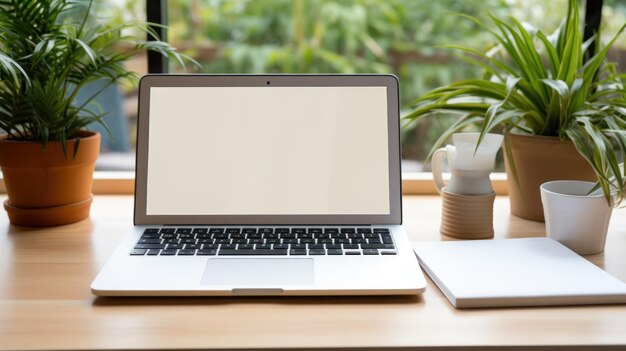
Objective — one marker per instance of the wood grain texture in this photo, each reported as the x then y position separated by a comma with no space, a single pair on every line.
45,301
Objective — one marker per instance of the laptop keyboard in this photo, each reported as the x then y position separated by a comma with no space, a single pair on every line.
247,241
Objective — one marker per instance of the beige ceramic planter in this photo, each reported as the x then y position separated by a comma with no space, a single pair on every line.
539,159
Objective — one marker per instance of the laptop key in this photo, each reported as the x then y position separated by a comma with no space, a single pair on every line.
228,246
333,246
263,247
370,252
387,240
206,252
245,246
358,241
317,252
381,230
200,230
335,251
223,252
364,230
193,247
331,230
151,236
371,236
138,252
149,241
167,230
183,230
316,246
387,252
149,246
350,247
216,230
168,252
348,230
186,252
210,247
151,231
352,252
175,246
297,252
281,246
377,246
307,241
298,246
153,252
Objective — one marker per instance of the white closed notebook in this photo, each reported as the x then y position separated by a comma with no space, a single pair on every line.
516,272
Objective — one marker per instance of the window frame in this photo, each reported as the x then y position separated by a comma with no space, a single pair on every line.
413,183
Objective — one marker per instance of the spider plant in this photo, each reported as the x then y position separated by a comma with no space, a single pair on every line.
49,50
542,85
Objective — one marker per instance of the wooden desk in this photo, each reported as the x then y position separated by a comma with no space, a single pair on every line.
45,301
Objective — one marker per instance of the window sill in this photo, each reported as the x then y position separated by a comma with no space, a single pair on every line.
413,183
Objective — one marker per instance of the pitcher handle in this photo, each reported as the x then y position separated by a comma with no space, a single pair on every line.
437,165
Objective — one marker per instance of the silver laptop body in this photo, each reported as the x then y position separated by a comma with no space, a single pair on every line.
266,185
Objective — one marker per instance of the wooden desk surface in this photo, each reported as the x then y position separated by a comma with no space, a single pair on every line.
45,301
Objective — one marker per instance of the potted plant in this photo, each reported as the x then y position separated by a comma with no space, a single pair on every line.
563,114
49,50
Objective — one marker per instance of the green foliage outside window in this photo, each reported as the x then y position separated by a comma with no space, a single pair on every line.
348,36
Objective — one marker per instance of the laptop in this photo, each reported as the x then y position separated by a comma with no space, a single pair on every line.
266,185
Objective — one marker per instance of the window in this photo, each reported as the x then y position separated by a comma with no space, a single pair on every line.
351,36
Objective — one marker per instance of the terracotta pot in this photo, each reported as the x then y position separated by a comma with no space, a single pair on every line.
45,187
539,159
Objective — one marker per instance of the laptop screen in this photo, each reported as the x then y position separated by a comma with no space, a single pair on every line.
265,150
268,149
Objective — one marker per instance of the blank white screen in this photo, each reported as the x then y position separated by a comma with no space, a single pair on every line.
268,151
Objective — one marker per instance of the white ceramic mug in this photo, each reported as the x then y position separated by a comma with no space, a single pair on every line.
574,217
470,167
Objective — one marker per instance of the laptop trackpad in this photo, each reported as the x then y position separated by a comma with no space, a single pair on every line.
258,271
